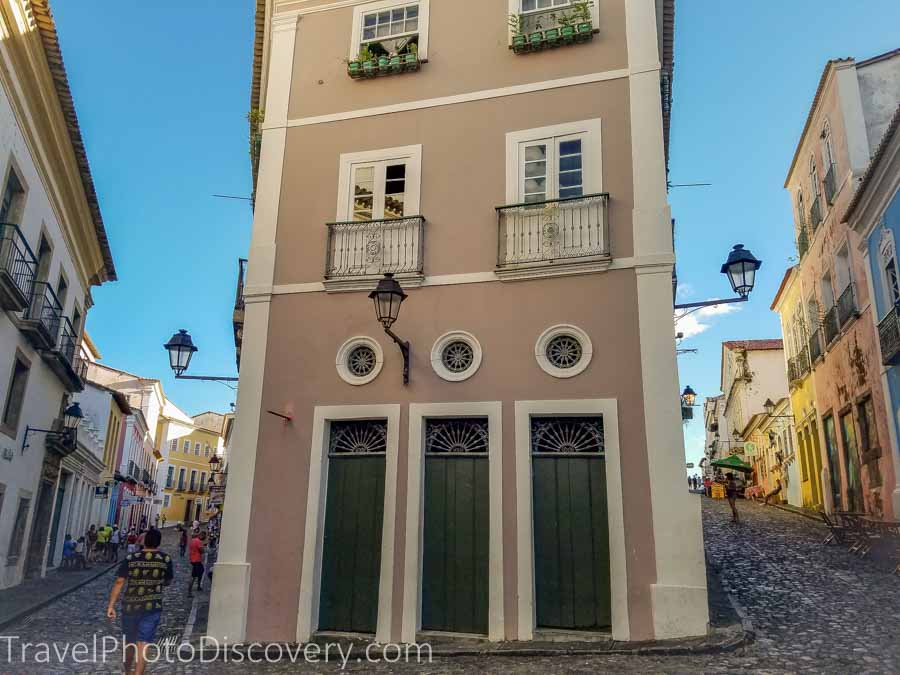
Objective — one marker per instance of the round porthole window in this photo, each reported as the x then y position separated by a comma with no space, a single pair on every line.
563,351
456,356
359,360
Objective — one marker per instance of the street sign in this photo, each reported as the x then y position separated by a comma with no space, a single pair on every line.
690,465
101,492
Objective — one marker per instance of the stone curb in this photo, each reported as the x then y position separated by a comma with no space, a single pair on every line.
730,639
4,623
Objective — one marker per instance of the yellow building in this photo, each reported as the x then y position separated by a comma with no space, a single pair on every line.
800,326
186,471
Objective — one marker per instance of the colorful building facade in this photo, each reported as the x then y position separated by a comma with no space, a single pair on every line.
186,471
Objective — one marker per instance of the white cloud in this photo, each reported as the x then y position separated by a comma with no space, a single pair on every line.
694,322
684,290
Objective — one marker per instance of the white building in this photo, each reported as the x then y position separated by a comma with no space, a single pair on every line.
53,249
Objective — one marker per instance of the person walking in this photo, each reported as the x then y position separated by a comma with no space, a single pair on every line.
91,540
142,575
731,494
114,541
164,520
182,541
196,558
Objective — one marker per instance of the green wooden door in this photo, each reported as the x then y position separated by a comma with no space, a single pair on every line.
571,529
456,528
354,510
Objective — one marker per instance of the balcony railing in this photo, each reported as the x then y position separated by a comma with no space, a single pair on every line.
889,336
830,187
815,214
846,306
832,326
554,232
68,341
64,359
798,366
237,318
18,266
43,315
370,248
802,242
815,346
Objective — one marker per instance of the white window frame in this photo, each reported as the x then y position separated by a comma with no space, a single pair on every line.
360,10
197,448
186,446
192,484
515,9
410,154
540,350
166,501
182,472
340,361
591,152
437,355
887,251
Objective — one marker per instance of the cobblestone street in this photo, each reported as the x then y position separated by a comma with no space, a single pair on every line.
814,609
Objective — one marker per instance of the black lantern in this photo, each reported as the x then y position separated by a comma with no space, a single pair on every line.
688,396
388,297
741,269
769,406
181,348
214,463
73,416
736,435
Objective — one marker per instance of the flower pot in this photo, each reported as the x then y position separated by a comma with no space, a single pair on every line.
519,43
536,39
567,33
411,62
585,31
551,36
354,69
396,63
383,63
369,68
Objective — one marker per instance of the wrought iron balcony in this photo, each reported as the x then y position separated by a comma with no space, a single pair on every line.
360,252
798,366
846,306
237,318
815,346
802,242
65,360
832,326
815,214
18,266
830,186
42,317
889,337
565,235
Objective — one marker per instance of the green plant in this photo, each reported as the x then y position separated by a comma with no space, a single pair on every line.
581,11
515,23
365,54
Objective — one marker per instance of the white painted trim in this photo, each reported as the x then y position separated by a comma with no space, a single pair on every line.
340,361
415,509
311,570
592,154
644,262
411,154
618,572
540,350
360,9
481,95
437,352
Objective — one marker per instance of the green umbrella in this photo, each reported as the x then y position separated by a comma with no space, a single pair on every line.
733,462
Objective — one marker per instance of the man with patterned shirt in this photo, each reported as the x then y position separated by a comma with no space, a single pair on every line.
145,573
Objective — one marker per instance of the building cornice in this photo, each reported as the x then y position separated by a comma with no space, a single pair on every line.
876,175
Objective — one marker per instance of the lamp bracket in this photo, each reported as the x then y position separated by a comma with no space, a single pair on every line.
50,432
711,303
404,350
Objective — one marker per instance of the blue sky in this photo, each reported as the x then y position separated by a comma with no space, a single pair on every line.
162,92
745,75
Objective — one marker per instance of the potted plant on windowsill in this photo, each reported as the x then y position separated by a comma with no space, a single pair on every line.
519,39
581,13
363,65
411,58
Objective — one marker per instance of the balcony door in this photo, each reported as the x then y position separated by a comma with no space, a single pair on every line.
378,190
551,168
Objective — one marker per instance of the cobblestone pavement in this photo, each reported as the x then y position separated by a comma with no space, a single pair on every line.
814,608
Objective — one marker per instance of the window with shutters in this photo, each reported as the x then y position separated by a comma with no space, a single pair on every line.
15,394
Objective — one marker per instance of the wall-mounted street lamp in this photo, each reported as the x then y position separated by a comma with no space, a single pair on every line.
770,410
181,348
688,397
740,268
388,297
69,433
